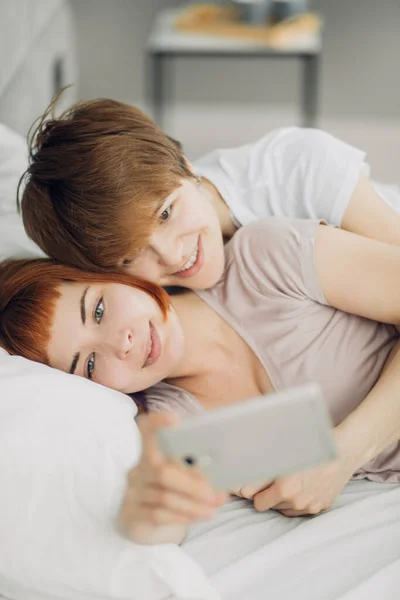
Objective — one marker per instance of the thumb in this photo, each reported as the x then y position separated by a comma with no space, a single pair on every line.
267,499
148,425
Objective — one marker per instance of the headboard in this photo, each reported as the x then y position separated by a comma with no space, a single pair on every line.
37,57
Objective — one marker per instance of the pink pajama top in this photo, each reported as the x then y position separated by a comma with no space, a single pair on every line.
271,296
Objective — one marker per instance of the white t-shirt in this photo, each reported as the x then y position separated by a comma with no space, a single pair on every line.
290,172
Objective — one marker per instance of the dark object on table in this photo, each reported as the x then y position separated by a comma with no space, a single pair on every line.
253,12
286,9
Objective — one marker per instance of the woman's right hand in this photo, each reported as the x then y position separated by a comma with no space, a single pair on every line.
163,497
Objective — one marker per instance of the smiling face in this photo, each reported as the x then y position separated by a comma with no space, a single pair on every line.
186,247
114,334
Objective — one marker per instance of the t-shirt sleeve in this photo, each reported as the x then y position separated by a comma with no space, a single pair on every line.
277,257
164,397
323,171
290,172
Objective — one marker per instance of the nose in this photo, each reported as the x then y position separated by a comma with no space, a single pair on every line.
168,248
123,343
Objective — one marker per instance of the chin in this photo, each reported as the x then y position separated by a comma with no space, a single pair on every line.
209,278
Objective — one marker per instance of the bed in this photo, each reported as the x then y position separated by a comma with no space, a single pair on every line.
351,552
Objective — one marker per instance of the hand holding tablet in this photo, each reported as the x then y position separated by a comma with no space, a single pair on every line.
257,440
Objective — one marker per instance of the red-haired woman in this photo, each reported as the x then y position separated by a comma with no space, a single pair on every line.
298,301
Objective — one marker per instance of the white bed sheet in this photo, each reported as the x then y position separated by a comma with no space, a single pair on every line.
351,552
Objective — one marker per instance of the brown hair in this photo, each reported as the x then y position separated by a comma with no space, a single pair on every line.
29,290
96,176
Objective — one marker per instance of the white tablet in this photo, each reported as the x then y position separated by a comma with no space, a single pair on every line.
256,440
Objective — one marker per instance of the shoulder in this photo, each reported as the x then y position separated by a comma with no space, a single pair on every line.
164,397
271,236
276,257
282,141
270,138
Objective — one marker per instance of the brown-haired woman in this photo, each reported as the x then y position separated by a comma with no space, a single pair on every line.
106,189
298,301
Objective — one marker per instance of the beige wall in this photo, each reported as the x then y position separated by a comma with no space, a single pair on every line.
360,64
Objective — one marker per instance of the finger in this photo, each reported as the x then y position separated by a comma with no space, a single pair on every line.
299,502
293,513
178,503
268,498
158,418
221,498
310,510
249,491
148,425
150,422
182,481
283,506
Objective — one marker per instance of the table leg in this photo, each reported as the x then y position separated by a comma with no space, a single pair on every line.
310,90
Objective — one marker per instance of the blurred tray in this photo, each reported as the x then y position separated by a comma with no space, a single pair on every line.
219,21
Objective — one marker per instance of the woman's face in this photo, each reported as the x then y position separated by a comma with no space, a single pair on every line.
114,334
186,248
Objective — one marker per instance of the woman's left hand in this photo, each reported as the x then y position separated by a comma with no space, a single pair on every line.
308,492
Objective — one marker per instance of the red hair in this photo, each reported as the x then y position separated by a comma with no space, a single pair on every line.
29,290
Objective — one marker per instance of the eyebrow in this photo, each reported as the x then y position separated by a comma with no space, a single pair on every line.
171,198
83,307
159,206
74,363
75,360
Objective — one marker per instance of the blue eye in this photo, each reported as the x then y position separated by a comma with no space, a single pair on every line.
99,311
166,213
90,366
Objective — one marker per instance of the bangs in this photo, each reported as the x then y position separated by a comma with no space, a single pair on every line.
26,322
29,290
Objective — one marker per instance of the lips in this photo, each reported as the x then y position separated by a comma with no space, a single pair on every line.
194,269
153,348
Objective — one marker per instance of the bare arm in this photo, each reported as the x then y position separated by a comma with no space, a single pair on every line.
369,215
359,275
375,423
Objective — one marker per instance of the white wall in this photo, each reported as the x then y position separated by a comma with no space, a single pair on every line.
360,64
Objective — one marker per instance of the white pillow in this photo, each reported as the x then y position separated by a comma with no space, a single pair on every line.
13,162
66,445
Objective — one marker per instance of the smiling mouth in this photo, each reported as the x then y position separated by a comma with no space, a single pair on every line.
153,348
194,264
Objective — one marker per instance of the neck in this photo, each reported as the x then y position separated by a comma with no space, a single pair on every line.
201,330
221,208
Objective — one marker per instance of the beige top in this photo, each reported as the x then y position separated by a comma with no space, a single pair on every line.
270,294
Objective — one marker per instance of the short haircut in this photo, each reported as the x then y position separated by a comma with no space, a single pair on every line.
96,177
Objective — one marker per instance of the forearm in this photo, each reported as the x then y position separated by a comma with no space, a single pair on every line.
367,214
375,424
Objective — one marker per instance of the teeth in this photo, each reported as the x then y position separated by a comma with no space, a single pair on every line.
190,262
151,345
